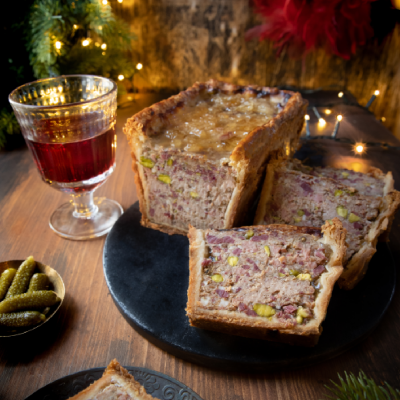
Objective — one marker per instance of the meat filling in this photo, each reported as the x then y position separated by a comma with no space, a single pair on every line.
305,200
364,183
184,188
263,272
112,392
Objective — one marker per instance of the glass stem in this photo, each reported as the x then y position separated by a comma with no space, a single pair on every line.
84,206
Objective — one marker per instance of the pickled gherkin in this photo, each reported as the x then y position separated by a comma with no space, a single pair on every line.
20,319
5,281
38,282
22,277
29,301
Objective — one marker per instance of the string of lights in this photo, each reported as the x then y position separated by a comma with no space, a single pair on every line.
358,147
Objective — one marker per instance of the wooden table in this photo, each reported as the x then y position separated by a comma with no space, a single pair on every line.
89,331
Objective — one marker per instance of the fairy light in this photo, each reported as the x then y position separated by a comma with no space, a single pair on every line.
383,119
121,77
340,94
139,66
359,148
321,122
103,46
100,28
336,127
103,53
373,97
105,2
307,118
328,112
58,45
120,1
97,44
75,26
85,42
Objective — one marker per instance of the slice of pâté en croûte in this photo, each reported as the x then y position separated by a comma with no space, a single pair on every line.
270,282
116,383
372,182
199,157
293,197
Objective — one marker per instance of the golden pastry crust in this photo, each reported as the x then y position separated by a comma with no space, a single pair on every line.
237,323
277,138
114,374
356,268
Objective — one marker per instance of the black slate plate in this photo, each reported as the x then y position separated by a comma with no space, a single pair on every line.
160,386
147,274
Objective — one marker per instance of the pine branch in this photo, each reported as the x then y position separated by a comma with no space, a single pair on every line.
8,125
53,21
353,388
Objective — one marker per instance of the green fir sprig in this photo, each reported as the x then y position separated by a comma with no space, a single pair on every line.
8,125
68,23
353,388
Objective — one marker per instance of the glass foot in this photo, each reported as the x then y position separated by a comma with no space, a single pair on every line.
64,223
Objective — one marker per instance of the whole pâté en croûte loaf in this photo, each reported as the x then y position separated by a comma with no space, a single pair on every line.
270,282
199,156
115,384
292,197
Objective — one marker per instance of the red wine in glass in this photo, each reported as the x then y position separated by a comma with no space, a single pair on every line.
78,166
68,123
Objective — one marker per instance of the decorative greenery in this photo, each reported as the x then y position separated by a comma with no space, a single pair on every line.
81,36
8,125
353,388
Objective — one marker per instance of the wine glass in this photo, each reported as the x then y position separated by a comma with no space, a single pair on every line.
68,123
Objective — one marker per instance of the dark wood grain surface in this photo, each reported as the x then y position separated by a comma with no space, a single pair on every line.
88,331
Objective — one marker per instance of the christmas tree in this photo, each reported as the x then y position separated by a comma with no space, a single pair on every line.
65,37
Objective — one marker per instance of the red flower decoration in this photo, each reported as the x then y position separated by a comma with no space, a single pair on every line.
339,26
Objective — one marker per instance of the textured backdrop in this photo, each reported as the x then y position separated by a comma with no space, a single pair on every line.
183,41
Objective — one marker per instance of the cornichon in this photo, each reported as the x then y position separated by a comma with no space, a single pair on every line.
267,250
29,301
38,282
20,319
5,281
22,277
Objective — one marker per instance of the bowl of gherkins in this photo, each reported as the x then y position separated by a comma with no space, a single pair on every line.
30,294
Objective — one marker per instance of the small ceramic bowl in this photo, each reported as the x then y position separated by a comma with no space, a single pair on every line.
57,286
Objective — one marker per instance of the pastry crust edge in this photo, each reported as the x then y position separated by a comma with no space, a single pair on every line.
114,371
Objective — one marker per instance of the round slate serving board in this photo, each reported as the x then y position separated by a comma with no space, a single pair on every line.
147,274
160,386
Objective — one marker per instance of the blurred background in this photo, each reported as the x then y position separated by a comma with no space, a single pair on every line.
164,46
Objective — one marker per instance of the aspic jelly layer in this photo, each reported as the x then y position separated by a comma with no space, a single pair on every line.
218,122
